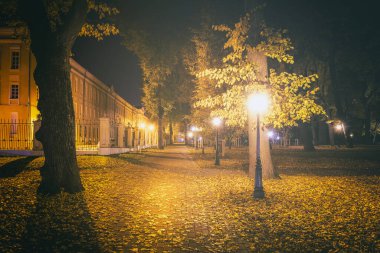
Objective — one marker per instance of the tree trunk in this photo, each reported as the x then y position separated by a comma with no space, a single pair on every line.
331,135
265,155
171,132
367,127
57,132
160,127
51,48
307,137
315,131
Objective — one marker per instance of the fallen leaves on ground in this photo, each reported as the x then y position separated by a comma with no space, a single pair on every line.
135,208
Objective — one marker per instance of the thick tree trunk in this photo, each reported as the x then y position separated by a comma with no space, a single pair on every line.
160,127
265,155
331,134
171,141
367,127
51,48
315,131
268,169
60,170
307,137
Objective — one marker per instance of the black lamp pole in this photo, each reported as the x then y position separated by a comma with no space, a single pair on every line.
258,192
217,159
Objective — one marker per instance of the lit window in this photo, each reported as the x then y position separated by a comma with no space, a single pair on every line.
14,91
15,59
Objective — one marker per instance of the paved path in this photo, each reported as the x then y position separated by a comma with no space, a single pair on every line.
181,203
172,158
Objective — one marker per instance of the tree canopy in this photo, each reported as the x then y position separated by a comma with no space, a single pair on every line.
293,96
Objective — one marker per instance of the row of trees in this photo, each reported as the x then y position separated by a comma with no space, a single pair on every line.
191,72
321,83
340,43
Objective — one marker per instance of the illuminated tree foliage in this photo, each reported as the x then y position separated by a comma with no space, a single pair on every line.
201,55
293,96
52,27
243,71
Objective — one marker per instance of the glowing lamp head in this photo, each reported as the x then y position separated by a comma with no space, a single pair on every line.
339,127
142,125
258,102
216,121
351,135
190,134
270,134
151,127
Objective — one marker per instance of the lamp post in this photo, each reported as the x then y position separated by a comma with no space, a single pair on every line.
258,104
217,122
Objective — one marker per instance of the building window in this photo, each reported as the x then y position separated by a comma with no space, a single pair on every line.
15,59
14,93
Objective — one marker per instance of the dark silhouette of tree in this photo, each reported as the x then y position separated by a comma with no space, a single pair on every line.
52,28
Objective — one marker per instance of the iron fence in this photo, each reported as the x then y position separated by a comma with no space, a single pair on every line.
87,135
16,135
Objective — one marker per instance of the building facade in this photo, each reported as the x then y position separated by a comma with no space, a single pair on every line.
93,100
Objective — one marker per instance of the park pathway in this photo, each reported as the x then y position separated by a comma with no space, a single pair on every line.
174,205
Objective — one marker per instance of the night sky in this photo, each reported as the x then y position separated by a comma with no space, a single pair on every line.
112,63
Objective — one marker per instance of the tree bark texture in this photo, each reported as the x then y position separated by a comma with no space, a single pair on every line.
160,127
307,137
171,140
266,158
57,132
51,48
367,127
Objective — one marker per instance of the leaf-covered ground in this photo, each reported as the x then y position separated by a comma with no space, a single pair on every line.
164,201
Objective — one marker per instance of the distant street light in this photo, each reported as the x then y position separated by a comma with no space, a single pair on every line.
217,122
195,130
339,127
258,103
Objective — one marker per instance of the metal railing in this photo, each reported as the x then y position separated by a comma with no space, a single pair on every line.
87,135
16,135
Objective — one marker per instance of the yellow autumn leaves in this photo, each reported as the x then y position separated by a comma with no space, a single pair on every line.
135,208
293,96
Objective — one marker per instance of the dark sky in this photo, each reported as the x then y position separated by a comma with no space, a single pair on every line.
112,63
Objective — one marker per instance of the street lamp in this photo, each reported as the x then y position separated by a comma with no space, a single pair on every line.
217,122
258,103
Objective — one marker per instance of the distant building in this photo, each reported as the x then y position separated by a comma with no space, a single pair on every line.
92,100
